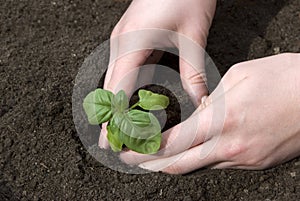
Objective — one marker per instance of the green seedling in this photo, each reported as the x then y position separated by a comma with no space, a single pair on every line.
138,130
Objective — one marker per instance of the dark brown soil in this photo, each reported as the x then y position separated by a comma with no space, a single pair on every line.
44,43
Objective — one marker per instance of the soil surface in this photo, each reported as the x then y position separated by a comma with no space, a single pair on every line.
44,43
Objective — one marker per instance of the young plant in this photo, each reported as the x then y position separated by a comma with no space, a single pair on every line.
138,130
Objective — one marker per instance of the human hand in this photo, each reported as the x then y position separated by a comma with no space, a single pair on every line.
260,128
189,18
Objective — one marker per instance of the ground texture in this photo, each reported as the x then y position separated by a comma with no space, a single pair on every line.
42,46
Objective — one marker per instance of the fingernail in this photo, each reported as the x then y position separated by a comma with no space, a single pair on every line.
145,167
102,145
203,99
154,167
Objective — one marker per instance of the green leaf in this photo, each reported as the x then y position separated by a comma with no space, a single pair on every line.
143,146
152,101
140,131
120,102
97,106
113,137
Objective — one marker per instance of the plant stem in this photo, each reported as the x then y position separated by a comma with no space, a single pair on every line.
136,104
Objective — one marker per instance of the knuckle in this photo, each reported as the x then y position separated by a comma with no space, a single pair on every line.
260,163
197,78
126,28
193,76
234,150
234,70
114,33
238,71
264,164
231,120
197,34
121,29
257,163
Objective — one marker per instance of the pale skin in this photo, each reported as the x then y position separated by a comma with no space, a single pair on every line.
258,100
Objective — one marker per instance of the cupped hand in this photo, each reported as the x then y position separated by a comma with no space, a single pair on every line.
138,31
260,103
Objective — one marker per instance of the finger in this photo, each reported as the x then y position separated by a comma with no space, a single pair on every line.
193,81
192,66
114,49
221,151
103,142
120,45
153,58
122,71
187,161
122,75
125,71
129,50
195,130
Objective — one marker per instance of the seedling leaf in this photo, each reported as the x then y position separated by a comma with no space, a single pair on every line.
97,106
152,101
113,137
141,131
120,102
